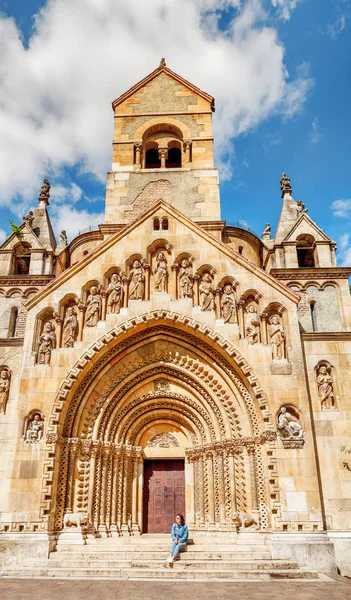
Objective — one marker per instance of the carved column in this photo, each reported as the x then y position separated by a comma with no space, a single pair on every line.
187,149
102,511
81,308
125,291
232,483
254,499
241,305
218,303
140,492
94,451
116,472
147,270
127,472
73,448
163,155
264,334
221,485
104,305
196,291
136,459
97,489
138,148
210,489
174,291
59,323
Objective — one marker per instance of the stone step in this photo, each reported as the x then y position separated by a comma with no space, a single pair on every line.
115,546
178,565
158,554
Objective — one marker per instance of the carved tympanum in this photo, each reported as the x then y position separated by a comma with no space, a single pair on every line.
325,388
228,304
161,385
185,278
252,323
70,328
47,342
34,432
163,440
115,294
4,389
94,303
206,292
289,429
161,273
137,281
277,337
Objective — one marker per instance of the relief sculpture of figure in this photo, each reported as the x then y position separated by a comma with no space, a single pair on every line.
137,281
4,389
252,324
288,427
93,311
160,273
277,337
45,189
186,281
115,294
34,432
47,342
228,304
70,328
325,388
206,292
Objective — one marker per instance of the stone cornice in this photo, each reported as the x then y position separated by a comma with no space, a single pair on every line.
319,336
172,212
11,342
316,273
25,280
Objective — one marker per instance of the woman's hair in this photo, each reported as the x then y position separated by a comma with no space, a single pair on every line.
181,518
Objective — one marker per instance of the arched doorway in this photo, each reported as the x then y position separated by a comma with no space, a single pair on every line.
155,389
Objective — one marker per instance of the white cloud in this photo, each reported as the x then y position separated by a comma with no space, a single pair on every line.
73,220
296,92
61,193
3,236
55,97
285,8
315,133
341,208
344,254
344,241
334,29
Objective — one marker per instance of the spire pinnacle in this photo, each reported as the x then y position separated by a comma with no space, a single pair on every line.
163,63
285,185
44,193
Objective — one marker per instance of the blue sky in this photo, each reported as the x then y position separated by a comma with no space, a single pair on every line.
280,71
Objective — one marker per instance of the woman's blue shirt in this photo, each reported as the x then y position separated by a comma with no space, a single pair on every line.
180,533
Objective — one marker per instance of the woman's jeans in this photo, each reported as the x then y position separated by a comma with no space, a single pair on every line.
176,547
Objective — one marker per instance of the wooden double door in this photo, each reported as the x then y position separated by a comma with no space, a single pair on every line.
164,494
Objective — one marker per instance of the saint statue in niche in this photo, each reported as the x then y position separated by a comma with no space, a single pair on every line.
93,311
70,328
34,432
325,388
4,389
186,280
288,426
206,292
137,281
47,342
277,337
160,273
228,304
252,324
115,294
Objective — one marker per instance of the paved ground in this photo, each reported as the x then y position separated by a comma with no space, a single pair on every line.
44,589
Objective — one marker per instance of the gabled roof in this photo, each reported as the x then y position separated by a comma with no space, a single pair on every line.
12,239
172,212
311,225
163,69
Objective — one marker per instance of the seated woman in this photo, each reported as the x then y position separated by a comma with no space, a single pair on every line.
179,537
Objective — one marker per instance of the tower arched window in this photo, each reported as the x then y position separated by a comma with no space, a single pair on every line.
156,224
164,223
174,160
305,251
152,160
13,322
21,259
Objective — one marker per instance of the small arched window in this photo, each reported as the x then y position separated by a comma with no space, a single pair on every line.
313,315
240,249
305,251
152,160
21,259
13,322
156,224
164,223
174,160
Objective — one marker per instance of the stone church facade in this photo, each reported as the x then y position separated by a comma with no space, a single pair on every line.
168,362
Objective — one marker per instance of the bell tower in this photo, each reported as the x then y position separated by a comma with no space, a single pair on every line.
162,148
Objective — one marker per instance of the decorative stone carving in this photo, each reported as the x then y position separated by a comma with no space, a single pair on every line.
45,190
75,520
300,208
47,342
63,238
137,281
206,292
290,430
252,323
163,440
70,328
29,218
285,185
277,337
266,233
186,280
228,304
35,428
93,310
115,294
325,388
245,521
162,62
162,385
160,273
4,389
